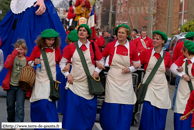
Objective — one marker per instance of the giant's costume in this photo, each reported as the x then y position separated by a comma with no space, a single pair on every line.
21,22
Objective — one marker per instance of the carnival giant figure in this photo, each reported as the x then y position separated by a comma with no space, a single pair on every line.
26,20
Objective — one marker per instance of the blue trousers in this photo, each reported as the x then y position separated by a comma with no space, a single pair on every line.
175,92
15,104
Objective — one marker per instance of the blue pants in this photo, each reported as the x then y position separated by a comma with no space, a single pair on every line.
175,92
15,95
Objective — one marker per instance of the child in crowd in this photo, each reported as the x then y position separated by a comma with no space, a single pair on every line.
43,109
15,95
1,60
189,107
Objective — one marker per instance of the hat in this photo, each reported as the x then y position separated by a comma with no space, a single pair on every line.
189,35
122,25
164,36
189,45
87,28
49,33
73,36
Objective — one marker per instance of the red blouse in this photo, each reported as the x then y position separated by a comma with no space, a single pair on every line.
36,53
146,55
179,62
69,50
177,51
121,50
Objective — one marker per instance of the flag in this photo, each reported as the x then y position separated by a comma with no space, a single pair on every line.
91,22
0,41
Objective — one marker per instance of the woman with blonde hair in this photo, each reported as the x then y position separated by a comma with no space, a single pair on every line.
117,109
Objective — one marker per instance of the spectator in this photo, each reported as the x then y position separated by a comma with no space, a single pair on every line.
107,38
15,95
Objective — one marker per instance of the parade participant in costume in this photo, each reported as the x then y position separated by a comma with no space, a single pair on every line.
71,14
43,109
133,36
99,40
26,20
157,100
189,107
183,92
1,60
72,37
117,109
81,107
82,9
15,95
82,20
144,42
176,54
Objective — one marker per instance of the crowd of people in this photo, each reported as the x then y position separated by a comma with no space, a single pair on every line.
125,52
124,59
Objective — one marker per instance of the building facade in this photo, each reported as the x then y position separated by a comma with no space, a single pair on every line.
168,15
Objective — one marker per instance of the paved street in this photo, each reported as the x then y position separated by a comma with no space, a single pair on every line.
3,114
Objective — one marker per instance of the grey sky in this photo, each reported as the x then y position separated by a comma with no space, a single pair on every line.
55,2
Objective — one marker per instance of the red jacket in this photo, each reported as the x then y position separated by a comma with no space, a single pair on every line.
100,42
177,51
138,44
9,65
71,13
189,107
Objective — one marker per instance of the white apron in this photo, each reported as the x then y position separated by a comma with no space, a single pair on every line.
18,6
183,92
80,83
119,86
157,92
41,89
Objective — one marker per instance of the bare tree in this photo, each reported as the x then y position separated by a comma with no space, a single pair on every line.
63,4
